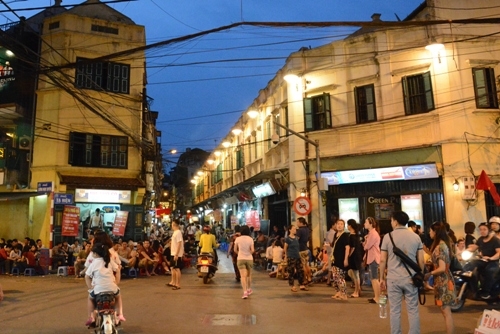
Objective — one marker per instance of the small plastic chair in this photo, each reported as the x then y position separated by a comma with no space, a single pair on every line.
132,272
62,271
29,272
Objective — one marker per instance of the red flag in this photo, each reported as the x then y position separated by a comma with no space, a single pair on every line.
484,183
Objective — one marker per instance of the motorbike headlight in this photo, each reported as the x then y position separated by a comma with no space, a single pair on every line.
466,255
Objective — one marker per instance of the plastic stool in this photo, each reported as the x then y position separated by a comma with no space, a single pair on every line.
274,268
15,271
29,272
132,272
62,271
71,270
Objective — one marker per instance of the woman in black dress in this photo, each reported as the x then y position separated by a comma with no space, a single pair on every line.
355,257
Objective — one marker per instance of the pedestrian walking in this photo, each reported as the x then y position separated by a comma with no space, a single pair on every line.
398,281
293,259
444,285
340,260
372,248
177,252
243,245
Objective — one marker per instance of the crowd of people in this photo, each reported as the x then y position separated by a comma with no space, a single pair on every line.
349,249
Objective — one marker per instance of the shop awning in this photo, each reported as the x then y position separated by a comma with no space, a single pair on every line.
92,182
12,196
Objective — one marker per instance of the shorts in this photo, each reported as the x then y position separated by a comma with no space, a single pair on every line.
373,270
92,294
304,256
179,264
145,262
245,264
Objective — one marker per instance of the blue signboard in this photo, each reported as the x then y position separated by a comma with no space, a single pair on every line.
44,187
426,171
65,199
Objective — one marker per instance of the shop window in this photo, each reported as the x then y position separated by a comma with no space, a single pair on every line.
317,112
417,93
364,98
90,150
484,88
107,76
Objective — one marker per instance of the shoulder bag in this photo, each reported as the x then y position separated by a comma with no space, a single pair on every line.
418,277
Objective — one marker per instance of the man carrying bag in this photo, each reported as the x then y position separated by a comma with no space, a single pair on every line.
398,280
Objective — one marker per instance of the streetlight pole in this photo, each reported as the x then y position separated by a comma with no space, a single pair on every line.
318,175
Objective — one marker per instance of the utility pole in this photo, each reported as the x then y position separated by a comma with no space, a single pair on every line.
318,175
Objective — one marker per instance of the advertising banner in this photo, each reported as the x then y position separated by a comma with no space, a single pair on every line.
349,209
8,66
252,219
70,221
120,223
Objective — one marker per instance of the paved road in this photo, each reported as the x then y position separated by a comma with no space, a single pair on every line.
54,304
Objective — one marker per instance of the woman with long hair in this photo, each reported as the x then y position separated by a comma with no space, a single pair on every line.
372,249
444,285
340,260
355,257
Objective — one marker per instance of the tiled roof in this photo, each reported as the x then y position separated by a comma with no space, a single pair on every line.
101,182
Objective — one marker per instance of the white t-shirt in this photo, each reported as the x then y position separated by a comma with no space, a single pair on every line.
174,247
96,220
112,254
244,244
103,278
269,253
277,254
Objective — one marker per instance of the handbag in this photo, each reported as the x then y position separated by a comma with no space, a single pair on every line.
418,277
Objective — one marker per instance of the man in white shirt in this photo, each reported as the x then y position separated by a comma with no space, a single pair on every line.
177,252
96,220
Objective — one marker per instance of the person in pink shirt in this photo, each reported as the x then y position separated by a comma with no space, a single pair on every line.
372,249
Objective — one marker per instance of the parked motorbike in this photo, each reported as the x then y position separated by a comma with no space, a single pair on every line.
207,266
105,309
467,286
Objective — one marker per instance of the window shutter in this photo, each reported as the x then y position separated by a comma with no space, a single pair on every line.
308,115
429,97
406,97
328,110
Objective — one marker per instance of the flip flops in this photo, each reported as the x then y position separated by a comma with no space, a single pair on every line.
176,287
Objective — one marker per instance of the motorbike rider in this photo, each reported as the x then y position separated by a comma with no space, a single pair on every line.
208,243
488,246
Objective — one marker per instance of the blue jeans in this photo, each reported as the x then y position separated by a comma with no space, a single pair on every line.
396,290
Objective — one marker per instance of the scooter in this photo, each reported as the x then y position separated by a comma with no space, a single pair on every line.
206,266
105,308
467,287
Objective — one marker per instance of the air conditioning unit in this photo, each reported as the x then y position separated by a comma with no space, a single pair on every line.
24,142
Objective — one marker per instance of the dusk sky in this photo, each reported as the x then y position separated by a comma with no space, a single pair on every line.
201,86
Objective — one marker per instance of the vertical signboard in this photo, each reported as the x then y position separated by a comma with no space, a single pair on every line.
70,221
8,68
412,205
120,223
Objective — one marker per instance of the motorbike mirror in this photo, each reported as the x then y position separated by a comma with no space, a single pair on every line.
466,255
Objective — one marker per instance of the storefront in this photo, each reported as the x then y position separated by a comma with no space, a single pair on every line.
110,203
377,192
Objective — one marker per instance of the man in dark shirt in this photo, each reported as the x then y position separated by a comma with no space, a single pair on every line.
489,250
303,233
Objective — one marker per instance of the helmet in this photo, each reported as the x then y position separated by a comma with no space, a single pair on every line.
206,229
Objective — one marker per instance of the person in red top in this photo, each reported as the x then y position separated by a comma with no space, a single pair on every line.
5,260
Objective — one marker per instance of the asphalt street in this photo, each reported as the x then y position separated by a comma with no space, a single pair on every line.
55,304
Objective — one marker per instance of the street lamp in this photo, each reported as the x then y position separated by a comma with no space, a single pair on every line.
318,172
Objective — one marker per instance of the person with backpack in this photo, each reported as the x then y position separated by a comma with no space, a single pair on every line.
398,280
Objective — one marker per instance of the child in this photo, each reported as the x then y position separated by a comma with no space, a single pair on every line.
100,278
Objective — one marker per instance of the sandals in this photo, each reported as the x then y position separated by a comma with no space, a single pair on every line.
294,289
353,296
175,287
90,323
304,288
170,284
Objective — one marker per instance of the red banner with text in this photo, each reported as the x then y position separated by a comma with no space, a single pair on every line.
120,223
70,221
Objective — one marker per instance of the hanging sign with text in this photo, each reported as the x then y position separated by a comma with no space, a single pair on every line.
70,221
120,223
